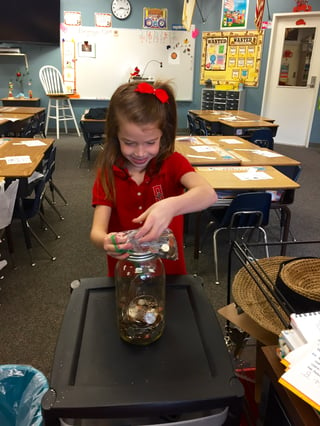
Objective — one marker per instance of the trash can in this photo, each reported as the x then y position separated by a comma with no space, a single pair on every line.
21,391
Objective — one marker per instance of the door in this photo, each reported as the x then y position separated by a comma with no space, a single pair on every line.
292,76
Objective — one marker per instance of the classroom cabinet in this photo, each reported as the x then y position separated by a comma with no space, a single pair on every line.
222,99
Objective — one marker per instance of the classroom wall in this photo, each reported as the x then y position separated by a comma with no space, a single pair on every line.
206,20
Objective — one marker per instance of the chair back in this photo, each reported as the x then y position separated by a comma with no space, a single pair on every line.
201,124
51,80
51,164
249,209
263,138
194,127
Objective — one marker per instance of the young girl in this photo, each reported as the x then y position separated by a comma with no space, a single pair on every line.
141,182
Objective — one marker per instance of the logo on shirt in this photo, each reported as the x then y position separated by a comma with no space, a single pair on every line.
157,192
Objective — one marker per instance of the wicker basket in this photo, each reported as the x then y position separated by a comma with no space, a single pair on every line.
249,297
299,282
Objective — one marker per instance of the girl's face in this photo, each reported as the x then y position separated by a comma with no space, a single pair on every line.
139,143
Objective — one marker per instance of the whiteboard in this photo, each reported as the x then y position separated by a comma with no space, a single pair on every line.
114,53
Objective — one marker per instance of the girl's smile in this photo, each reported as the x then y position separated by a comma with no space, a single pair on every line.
139,144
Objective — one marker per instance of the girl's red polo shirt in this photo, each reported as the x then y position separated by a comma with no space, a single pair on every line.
133,199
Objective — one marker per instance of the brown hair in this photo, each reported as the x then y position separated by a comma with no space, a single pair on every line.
138,108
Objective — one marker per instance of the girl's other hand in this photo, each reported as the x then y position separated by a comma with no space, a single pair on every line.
116,245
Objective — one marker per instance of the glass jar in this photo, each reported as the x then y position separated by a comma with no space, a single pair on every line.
140,298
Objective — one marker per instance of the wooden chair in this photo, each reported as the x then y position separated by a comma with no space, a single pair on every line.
59,104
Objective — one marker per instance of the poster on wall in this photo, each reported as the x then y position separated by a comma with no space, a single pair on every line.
231,57
72,18
234,14
155,18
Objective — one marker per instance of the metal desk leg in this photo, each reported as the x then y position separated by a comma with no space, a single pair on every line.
286,228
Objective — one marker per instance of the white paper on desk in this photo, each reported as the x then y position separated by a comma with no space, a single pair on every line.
17,159
34,142
206,140
232,118
231,141
267,153
203,148
252,175
186,139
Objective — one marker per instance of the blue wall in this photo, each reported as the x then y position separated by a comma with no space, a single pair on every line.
210,11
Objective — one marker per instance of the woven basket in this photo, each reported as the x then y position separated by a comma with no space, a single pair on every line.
249,297
299,282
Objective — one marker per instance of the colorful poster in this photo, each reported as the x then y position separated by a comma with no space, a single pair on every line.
231,57
234,14
155,18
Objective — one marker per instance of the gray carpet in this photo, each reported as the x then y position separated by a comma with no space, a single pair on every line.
33,299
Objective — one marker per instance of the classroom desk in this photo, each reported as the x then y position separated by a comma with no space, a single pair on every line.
11,147
201,151
21,110
13,122
96,374
245,127
237,122
223,113
226,178
228,150
21,102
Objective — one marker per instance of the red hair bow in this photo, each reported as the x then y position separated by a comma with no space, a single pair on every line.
161,94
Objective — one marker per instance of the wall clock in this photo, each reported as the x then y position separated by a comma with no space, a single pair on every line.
121,9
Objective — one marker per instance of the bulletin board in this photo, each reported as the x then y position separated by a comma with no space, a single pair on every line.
231,57
97,60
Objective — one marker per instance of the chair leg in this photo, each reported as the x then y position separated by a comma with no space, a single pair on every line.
215,255
53,188
35,236
64,105
57,119
47,225
74,118
53,207
47,117
265,241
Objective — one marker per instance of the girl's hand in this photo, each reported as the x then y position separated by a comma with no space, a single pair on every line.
115,244
155,220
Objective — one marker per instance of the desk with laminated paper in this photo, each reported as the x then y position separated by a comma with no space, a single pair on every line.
96,374
223,113
19,157
228,150
246,178
237,122
241,178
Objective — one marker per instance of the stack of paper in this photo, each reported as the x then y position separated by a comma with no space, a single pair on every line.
302,375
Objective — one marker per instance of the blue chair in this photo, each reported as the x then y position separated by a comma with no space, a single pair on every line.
247,212
93,134
28,206
263,138
49,165
194,128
